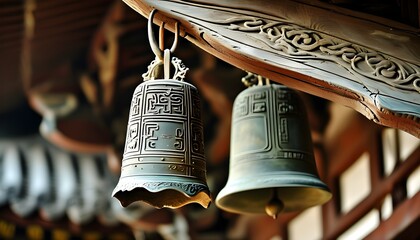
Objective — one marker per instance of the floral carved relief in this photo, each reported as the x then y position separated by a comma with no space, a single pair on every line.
301,43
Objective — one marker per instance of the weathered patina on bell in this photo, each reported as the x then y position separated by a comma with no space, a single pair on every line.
163,162
272,166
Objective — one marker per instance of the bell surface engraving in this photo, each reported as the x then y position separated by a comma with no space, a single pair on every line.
164,150
272,166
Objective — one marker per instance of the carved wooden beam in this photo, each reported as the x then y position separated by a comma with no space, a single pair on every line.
368,63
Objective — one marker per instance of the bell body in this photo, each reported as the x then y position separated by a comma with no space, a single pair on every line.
163,162
271,154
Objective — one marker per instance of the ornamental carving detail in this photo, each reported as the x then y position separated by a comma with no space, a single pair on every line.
190,189
302,43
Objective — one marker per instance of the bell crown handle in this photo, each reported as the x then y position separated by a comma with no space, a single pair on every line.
158,50
161,66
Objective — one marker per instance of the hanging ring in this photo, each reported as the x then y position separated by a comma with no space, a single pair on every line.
152,40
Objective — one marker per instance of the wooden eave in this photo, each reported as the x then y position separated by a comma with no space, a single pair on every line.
368,63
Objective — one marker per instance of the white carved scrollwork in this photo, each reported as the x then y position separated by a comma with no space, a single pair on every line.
301,43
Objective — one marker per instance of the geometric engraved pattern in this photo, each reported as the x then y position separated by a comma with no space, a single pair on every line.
132,138
258,107
197,141
241,107
285,102
277,121
165,132
149,135
164,143
251,124
301,43
165,101
284,133
196,106
135,105
179,139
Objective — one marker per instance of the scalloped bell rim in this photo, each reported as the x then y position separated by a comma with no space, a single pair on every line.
163,194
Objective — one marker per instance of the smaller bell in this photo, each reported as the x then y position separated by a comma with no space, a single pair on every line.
163,162
272,167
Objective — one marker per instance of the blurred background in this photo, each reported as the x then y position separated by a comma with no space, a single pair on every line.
68,70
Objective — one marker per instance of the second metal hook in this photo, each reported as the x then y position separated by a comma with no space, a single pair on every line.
152,40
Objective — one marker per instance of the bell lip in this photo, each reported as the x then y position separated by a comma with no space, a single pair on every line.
285,180
240,211
202,198
191,192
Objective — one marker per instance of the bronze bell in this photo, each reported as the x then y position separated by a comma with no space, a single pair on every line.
163,162
272,166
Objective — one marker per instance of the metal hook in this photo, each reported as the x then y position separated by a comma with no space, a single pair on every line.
152,40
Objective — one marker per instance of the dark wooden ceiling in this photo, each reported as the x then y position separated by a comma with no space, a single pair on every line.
96,50
41,40
45,40
404,11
